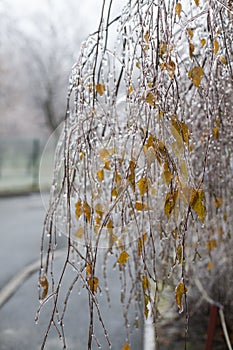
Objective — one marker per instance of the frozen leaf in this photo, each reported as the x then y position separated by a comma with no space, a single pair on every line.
118,178
126,347
145,283
93,283
167,175
114,192
107,165
146,302
80,232
218,202
191,50
211,244
197,2
131,175
170,202
78,208
130,89
190,33
88,270
203,42
138,64
216,132
150,98
45,285
104,154
81,155
146,36
195,74
170,66
87,211
141,242
100,88
123,257
178,9
223,60
216,47
197,203
180,291
179,253
143,186
182,130
100,209
100,175
140,206
184,172
162,48
210,266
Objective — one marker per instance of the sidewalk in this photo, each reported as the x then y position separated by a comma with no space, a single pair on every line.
21,227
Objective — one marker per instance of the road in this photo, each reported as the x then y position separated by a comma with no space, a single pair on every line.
21,222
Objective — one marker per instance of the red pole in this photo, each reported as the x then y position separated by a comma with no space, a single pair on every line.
211,327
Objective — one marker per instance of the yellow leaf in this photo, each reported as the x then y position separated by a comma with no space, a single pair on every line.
78,208
114,192
197,203
131,175
100,175
140,206
124,256
146,36
107,165
167,175
180,291
197,2
143,186
191,50
126,347
179,253
184,171
146,302
138,64
216,132
145,283
93,283
203,42
216,47
110,226
211,244
170,66
150,98
210,266
223,60
45,285
81,155
87,211
130,89
178,9
218,202
141,242
170,202
88,270
100,209
100,88
190,33
162,48
104,154
182,130
80,232
195,74
118,178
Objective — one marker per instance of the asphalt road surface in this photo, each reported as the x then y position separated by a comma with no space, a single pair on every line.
21,221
